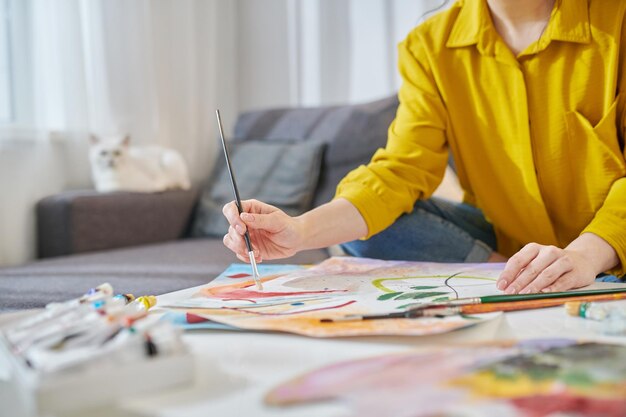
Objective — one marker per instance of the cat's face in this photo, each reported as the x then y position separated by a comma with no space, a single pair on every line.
108,153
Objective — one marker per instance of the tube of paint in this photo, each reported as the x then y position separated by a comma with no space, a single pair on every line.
611,315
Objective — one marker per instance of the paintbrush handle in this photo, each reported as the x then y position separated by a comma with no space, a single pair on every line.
534,304
543,295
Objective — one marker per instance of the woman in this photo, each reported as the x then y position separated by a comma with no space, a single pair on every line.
526,96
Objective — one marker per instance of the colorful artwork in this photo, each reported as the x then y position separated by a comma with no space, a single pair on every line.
538,378
296,301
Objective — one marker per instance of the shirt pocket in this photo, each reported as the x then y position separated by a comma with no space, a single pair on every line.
595,158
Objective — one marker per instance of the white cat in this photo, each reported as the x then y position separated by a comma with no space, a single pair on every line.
117,166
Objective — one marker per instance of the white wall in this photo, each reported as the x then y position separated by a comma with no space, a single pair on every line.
29,171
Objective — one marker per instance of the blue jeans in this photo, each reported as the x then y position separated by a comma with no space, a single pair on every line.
437,230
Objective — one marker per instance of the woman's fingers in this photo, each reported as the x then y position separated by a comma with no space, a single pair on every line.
235,242
549,276
541,268
232,215
273,222
516,263
564,283
546,256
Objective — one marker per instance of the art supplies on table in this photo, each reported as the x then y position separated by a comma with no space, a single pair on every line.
610,316
552,377
296,301
90,350
190,321
493,303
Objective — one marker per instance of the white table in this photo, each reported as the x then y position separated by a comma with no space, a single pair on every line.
235,370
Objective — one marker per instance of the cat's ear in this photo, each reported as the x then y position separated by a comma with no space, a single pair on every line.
93,139
126,141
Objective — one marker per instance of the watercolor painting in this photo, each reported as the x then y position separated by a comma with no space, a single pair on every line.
537,378
296,300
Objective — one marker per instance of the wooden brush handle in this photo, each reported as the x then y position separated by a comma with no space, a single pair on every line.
533,304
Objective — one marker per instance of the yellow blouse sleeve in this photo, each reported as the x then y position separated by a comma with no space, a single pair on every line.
413,163
610,221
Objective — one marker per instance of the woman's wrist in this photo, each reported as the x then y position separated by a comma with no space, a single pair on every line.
597,252
335,222
303,232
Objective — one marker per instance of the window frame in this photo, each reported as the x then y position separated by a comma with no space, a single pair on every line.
7,99
18,14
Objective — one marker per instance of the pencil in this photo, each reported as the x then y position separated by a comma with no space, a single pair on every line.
246,236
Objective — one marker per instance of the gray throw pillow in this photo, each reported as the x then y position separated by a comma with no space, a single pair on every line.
283,174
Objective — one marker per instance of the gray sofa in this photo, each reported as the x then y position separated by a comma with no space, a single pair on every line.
140,243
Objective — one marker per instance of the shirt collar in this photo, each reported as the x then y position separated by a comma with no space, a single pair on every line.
473,26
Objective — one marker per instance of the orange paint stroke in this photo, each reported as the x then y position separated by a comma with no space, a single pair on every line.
238,290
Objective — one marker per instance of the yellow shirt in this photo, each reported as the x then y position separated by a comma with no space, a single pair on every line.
538,138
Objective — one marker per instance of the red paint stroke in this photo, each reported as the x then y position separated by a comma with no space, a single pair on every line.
546,405
259,313
241,275
194,318
243,294
239,299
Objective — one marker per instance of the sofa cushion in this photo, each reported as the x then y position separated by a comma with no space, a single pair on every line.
353,134
283,174
86,220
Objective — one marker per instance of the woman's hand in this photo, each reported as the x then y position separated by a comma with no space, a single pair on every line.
276,235
273,233
540,268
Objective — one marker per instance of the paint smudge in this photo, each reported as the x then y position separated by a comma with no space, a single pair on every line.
251,294
241,275
289,313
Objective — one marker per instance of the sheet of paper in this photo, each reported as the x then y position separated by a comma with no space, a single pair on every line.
296,301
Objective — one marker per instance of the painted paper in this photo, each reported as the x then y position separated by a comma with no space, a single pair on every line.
296,301
539,378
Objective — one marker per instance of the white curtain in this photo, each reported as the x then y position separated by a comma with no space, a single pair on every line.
345,51
149,68
154,69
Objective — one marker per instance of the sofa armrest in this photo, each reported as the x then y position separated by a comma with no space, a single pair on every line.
85,221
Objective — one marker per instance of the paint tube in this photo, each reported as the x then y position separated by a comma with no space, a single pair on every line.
612,315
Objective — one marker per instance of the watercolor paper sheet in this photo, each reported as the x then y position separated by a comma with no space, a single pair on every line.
537,378
296,301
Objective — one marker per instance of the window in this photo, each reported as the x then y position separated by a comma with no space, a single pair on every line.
6,84
15,66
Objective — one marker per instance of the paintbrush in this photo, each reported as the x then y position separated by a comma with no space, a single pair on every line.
492,303
246,236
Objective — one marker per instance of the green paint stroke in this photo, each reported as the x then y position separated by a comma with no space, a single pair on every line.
419,295
388,296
